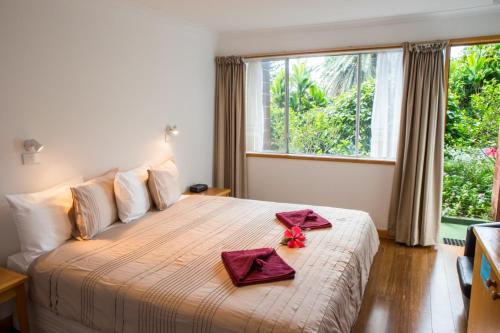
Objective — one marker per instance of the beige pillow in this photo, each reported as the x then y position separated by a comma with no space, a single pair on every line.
95,205
164,185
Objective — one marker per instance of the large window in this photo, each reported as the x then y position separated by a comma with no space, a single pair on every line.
342,104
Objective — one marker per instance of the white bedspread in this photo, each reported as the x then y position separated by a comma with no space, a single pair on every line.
163,273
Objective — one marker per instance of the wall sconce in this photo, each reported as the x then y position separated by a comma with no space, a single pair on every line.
171,131
32,148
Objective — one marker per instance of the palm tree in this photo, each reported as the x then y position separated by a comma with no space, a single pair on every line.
300,82
278,89
304,92
340,72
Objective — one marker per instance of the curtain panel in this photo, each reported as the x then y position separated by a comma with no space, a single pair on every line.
255,107
415,210
229,131
386,105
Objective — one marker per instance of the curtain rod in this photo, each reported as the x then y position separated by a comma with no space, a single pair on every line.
321,51
453,42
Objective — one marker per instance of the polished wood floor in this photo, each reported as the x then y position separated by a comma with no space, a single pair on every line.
413,290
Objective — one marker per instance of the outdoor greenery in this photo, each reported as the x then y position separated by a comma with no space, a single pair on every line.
472,125
322,118
467,183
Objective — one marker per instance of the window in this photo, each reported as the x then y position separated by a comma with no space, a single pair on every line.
342,104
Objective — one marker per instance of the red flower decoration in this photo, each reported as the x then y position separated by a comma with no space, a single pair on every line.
490,152
294,238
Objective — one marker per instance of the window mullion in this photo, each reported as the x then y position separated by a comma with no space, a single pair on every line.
358,104
287,106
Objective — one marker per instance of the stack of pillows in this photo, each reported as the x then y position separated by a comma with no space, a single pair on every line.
47,219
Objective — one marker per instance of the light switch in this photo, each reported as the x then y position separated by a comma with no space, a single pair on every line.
31,158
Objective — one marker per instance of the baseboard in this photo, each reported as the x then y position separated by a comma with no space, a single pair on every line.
384,234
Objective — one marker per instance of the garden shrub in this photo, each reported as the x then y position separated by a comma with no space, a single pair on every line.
467,183
472,125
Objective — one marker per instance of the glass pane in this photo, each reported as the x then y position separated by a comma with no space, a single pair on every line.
367,92
266,106
323,102
380,104
470,182
323,105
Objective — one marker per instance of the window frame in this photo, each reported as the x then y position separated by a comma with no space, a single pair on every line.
357,158
322,158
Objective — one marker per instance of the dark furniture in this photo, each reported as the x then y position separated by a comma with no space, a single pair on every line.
465,263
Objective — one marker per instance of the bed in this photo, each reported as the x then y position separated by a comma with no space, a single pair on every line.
163,273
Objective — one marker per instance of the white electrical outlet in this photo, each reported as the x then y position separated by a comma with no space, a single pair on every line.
31,158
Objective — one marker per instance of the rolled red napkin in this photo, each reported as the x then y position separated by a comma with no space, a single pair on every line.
305,219
247,267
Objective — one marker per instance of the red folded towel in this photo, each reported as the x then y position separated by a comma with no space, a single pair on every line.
256,266
305,219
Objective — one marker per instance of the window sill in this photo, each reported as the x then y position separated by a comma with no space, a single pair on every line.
322,158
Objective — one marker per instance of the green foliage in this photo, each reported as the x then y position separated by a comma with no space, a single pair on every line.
304,93
339,72
319,125
473,115
468,178
322,119
472,124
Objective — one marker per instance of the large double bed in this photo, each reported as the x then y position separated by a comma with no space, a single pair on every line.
163,273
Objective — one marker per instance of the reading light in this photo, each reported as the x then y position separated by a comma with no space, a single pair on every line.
171,130
32,148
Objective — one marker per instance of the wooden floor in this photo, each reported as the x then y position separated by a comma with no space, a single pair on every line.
413,290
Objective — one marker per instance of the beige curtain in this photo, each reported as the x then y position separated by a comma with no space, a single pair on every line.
229,133
415,211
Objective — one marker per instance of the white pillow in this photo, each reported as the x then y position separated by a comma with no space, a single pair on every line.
164,185
131,192
43,218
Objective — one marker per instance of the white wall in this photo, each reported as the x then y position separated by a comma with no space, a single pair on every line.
97,81
360,186
477,22
340,184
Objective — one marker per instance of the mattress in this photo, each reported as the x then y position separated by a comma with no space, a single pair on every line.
163,273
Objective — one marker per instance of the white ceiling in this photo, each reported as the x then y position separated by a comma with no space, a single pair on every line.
236,15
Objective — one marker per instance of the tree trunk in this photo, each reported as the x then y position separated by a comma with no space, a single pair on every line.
266,99
495,196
